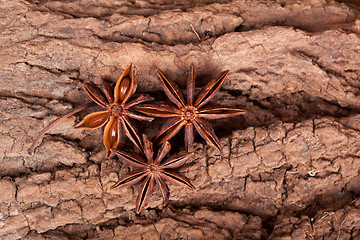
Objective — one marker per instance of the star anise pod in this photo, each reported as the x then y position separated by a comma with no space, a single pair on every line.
152,171
116,114
191,112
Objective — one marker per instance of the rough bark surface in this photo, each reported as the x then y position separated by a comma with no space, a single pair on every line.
290,167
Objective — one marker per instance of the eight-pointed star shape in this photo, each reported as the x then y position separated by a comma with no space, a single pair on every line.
153,171
191,112
116,114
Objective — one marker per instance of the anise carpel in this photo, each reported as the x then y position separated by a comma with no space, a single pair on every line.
116,114
152,171
190,112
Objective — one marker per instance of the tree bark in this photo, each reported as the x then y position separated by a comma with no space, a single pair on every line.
290,165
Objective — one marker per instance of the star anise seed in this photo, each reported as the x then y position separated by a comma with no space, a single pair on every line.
190,113
153,171
116,114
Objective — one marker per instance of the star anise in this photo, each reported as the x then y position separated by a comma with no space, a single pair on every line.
152,171
116,114
191,112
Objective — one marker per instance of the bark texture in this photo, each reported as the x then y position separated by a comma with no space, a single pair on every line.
290,168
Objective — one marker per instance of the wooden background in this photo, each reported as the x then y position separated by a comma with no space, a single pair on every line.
290,168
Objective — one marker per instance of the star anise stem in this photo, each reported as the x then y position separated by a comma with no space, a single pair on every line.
56,121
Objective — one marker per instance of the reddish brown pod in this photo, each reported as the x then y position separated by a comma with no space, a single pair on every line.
116,114
191,112
153,171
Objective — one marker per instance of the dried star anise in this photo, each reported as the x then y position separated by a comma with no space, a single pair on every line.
153,170
114,100
191,112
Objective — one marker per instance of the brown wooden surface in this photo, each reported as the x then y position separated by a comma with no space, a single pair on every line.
290,168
